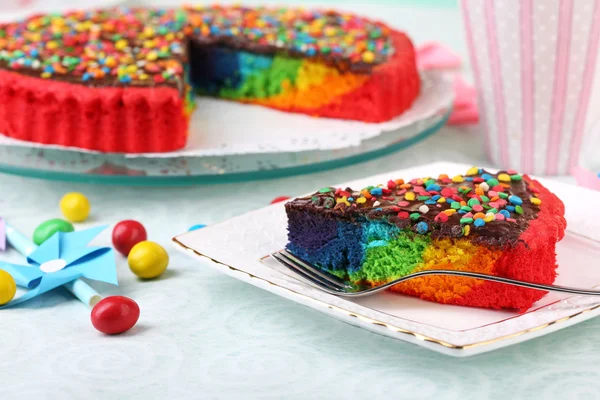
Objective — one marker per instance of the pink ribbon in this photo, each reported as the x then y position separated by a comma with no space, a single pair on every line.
434,56
586,178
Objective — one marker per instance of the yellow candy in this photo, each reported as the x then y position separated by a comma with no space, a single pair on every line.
368,57
110,62
8,287
467,230
410,196
121,44
361,200
148,260
75,207
504,178
536,201
458,179
343,200
472,171
151,56
441,200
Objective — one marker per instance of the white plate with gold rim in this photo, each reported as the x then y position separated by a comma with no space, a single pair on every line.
239,247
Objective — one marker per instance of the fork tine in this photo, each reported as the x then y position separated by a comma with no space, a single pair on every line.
306,274
333,280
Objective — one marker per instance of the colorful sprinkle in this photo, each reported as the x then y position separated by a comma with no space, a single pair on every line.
504,178
472,171
515,200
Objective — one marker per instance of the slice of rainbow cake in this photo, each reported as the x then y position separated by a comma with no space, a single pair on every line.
503,224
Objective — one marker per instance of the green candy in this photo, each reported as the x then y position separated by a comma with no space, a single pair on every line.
519,209
455,205
472,202
492,182
503,195
466,208
493,210
325,190
415,216
423,198
516,177
429,182
46,229
466,220
485,199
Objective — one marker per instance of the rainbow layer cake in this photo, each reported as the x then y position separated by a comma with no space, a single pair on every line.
503,224
123,80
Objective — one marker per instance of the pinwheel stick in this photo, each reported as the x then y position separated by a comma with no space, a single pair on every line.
78,287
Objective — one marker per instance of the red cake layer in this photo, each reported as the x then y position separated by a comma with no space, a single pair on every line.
140,120
391,89
107,119
532,259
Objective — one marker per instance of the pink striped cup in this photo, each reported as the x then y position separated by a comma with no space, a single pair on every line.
534,64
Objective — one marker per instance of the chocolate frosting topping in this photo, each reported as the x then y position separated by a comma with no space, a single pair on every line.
146,47
493,209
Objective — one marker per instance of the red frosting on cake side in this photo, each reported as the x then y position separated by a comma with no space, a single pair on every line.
107,119
533,259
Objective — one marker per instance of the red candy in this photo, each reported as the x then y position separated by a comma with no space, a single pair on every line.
115,314
127,234
441,217
403,215
279,199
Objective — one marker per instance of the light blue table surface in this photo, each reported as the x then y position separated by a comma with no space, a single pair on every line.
205,335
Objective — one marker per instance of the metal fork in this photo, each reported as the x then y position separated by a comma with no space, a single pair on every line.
336,286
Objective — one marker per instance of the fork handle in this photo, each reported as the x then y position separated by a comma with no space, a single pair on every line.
491,278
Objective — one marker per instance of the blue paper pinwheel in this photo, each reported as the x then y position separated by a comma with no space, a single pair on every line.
60,260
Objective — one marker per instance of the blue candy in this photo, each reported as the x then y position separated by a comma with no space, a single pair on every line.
516,200
479,222
510,208
431,202
422,227
505,213
436,197
485,177
196,227
376,192
433,187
